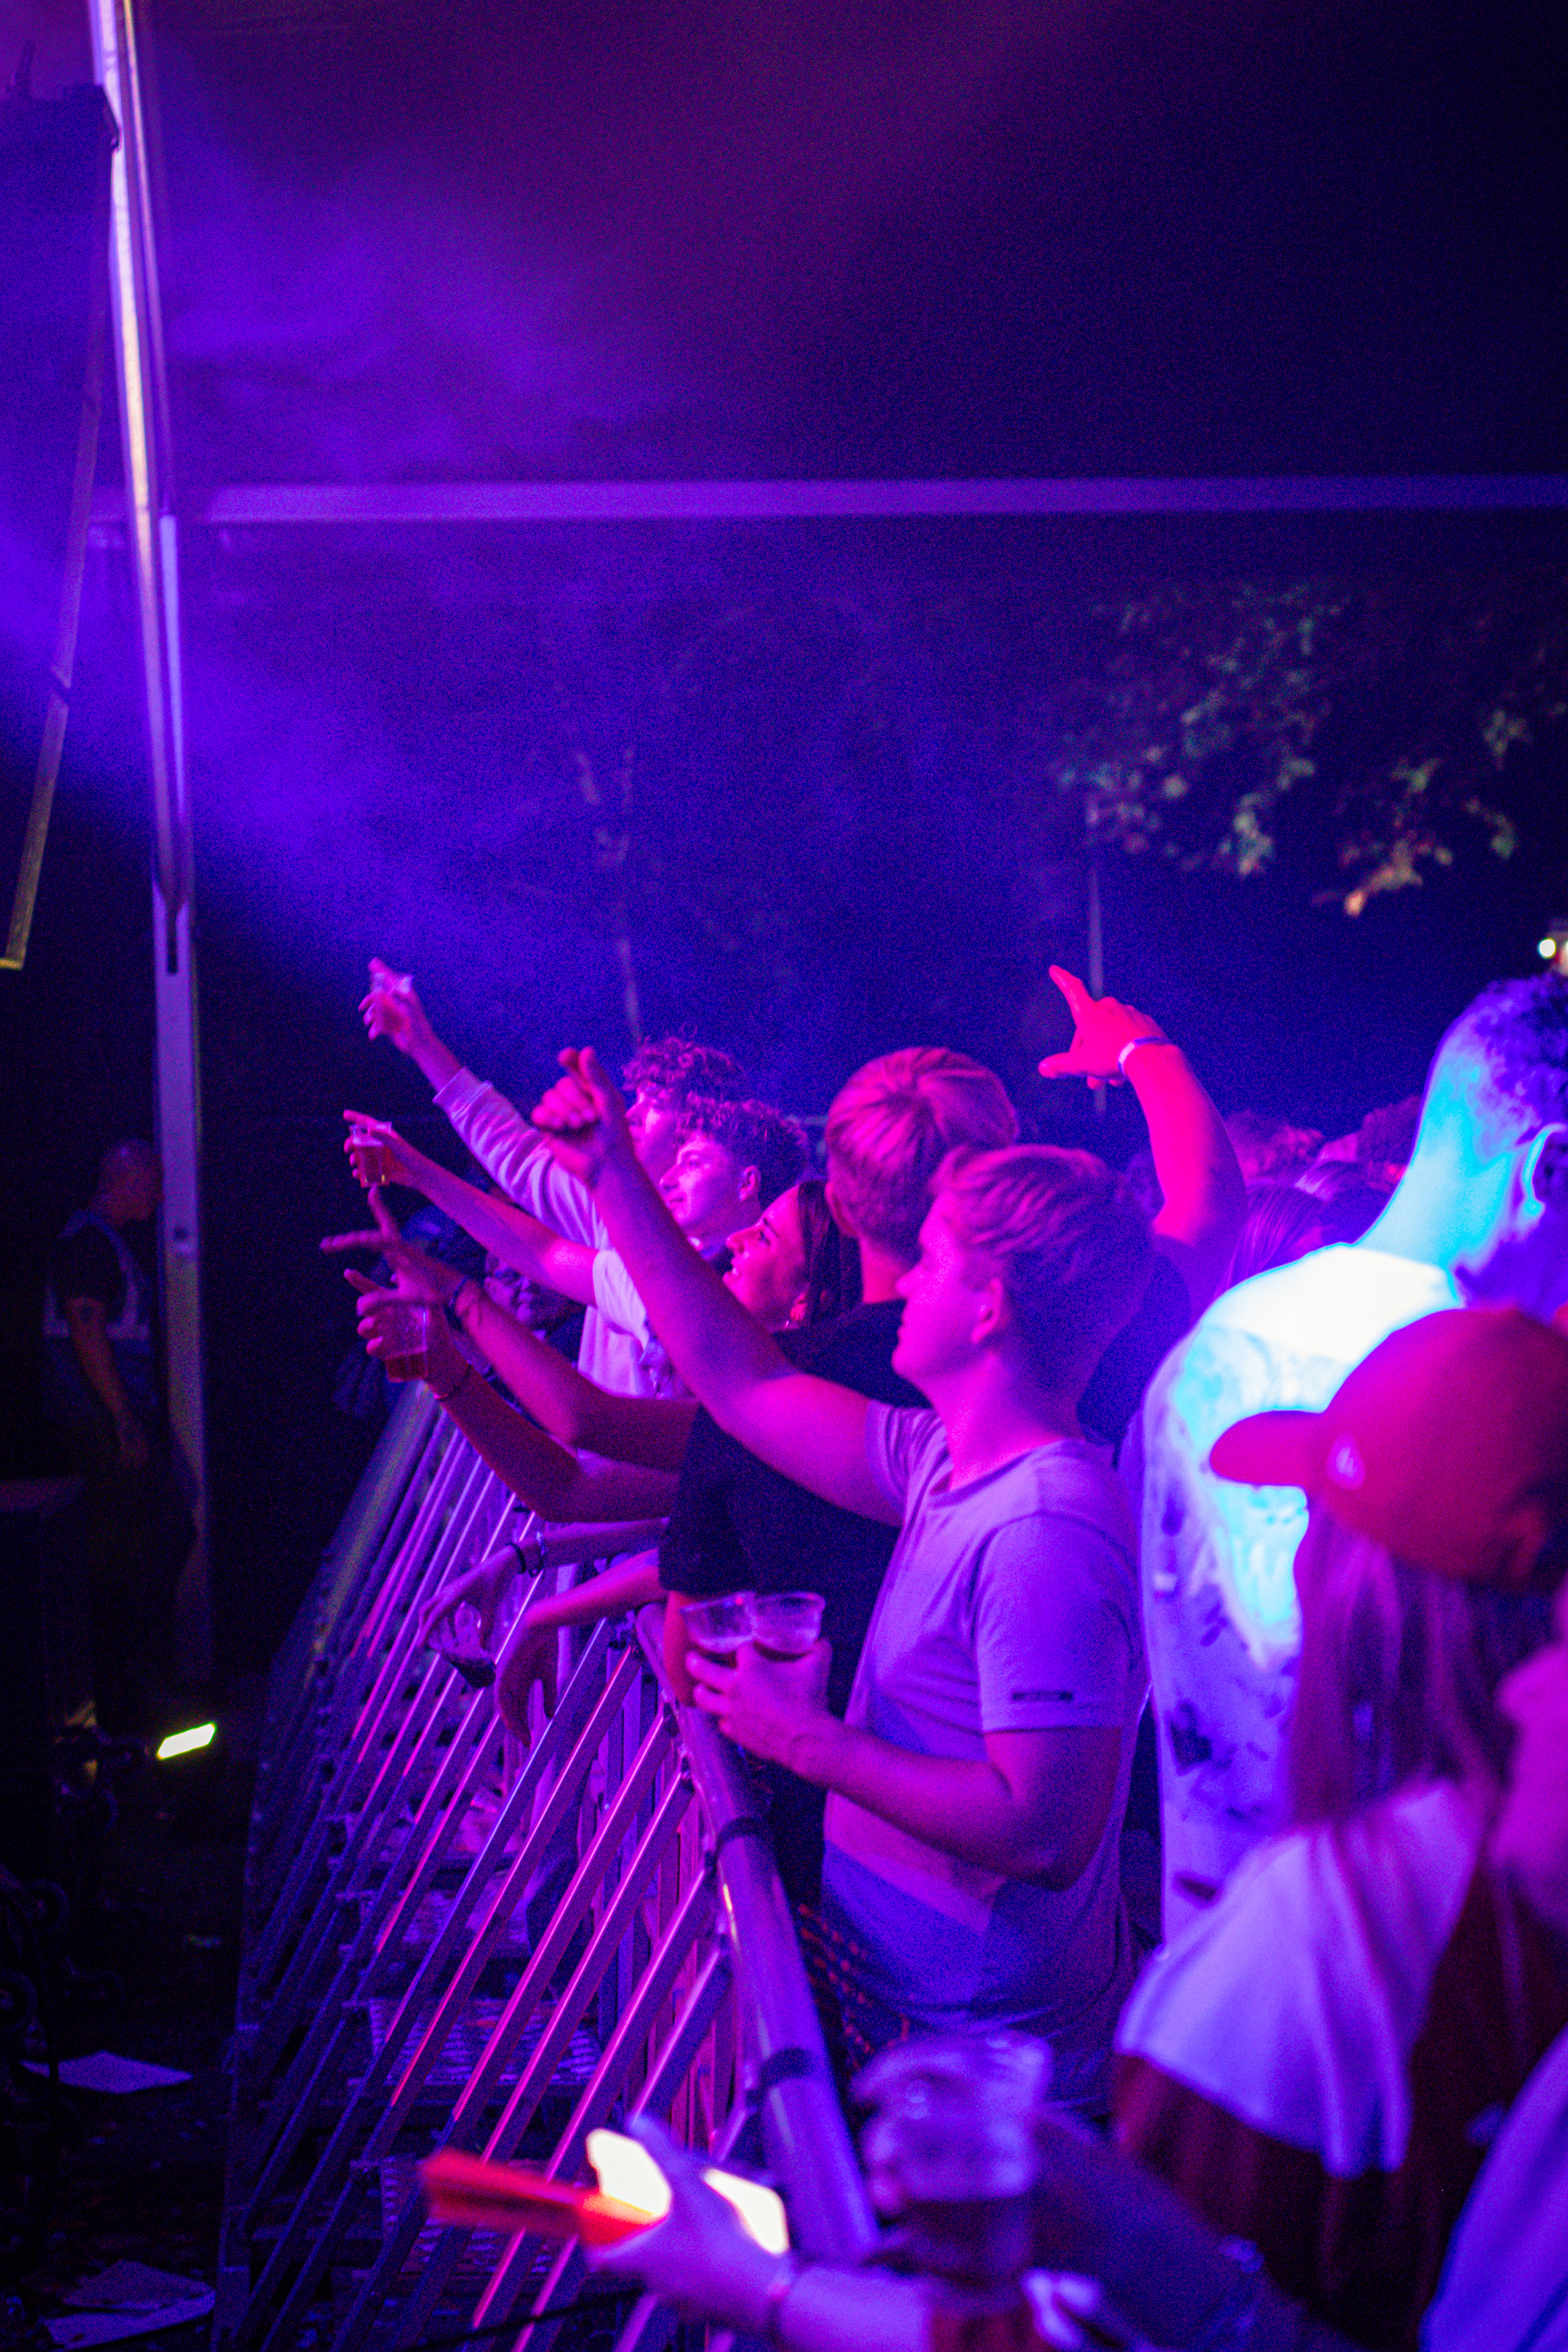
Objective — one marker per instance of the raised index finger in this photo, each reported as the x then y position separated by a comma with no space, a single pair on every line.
1078,999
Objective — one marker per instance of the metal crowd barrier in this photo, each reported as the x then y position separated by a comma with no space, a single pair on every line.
400,1991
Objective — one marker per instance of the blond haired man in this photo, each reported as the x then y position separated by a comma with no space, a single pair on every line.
977,1785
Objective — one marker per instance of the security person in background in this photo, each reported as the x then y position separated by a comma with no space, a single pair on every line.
103,1389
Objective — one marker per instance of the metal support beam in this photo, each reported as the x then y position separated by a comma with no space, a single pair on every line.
152,541
785,502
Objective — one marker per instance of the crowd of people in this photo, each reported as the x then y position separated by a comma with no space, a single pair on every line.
1272,1456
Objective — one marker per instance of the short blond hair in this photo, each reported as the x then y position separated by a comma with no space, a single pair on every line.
1069,1239
893,1124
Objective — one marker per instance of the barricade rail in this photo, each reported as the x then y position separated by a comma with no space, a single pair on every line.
452,1942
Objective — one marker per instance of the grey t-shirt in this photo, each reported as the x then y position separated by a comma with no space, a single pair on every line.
1010,1604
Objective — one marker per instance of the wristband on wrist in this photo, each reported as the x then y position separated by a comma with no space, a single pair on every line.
1131,1047
773,2297
449,1306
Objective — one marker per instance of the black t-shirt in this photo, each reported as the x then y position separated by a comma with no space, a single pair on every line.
738,1526
1136,1354
83,1265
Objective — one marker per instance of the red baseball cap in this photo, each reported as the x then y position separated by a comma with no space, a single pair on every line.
1448,1443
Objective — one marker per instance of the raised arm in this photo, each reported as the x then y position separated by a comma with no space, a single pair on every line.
1205,1198
498,1225
391,1009
810,1430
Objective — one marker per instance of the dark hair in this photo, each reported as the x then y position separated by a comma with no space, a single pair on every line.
1397,1674
832,1257
1269,1150
675,1068
1386,1137
1072,1245
1518,1031
1282,1222
1345,1199
756,1136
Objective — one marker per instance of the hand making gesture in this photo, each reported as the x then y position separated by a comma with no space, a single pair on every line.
583,1117
1105,1031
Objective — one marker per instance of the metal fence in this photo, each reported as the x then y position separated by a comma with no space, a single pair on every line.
450,1941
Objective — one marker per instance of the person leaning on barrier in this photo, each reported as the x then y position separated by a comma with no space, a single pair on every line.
662,1075
976,1793
783,1268
1317,2061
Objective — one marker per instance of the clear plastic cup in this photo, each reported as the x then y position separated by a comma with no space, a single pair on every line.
786,1624
405,1341
371,1159
716,1629
465,1652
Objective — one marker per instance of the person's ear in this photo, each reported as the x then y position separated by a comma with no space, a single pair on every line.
1543,1173
993,1311
836,1211
749,1185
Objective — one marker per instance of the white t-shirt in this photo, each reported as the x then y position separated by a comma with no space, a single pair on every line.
1219,1595
510,1150
619,1302
1010,1604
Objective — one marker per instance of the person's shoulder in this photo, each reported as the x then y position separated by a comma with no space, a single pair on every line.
1071,1479
906,1446
1314,2048
83,1253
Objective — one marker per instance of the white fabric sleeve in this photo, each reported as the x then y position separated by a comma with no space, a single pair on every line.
509,1150
896,1438
1054,1645
618,1299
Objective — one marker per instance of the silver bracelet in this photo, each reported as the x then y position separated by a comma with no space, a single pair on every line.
778,2287
1131,1047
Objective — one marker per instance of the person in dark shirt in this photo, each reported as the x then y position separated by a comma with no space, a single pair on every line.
104,1393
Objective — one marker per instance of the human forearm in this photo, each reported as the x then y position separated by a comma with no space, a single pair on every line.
498,1225
810,1429
632,1585
1099,2213
542,1474
962,1806
1198,1172
650,1431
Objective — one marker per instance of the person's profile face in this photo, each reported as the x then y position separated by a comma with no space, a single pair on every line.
653,1121
942,1294
767,1269
702,1188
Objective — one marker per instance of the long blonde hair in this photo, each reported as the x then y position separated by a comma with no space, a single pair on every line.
1397,1673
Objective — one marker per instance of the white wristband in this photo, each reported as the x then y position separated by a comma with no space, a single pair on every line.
1131,1047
